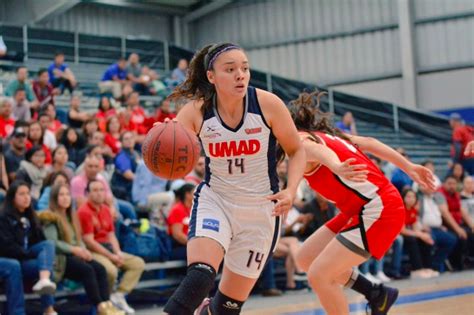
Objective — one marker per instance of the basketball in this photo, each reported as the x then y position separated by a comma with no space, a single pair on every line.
170,150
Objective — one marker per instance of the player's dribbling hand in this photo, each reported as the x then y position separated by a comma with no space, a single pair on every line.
284,202
469,149
353,172
423,176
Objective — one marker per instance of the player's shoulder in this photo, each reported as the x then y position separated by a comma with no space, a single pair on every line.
191,115
266,98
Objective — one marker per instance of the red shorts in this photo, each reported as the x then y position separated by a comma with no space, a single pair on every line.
373,230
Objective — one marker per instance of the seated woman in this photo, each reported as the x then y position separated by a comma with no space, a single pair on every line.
33,170
53,179
22,238
287,248
417,243
178,218
74,261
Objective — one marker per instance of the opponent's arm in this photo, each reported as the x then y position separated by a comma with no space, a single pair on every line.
418,173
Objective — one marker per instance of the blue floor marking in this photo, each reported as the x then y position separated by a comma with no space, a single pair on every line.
405,299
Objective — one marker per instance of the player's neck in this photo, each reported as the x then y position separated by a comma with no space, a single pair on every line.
228,106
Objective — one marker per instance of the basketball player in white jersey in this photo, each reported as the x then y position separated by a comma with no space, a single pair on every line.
236,210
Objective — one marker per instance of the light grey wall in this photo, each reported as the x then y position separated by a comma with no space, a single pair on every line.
440,90
110,21
330,42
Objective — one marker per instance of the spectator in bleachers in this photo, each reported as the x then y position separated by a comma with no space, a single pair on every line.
417,242
95,151
55,126
10,275
49,138
99,237
53,179
164,111
465,246
74,144
112,137
347,124
125,166
458,172
179,217
74,261
197,175
430,165
21,107
105,112
400,179
60,75
15,152
22,238
75,116
433,211
44,91
36,137
33,171
179,74
287,248
138,115
7,123
462,135
134,69
60,161
126,120
90,126
114,79
157,87
3,48
467,195
98,138
21,82
388,168
146,186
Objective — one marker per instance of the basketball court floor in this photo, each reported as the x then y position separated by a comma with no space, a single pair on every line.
449,294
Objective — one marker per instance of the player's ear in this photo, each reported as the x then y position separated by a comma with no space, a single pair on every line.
210,76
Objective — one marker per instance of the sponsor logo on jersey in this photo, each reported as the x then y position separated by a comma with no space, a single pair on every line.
234,148
231,305
210,224
212,135
251,131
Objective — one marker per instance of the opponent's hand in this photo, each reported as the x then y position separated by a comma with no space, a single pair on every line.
352,172
469,149
284,202
422,176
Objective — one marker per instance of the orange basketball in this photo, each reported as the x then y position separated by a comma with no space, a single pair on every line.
170,150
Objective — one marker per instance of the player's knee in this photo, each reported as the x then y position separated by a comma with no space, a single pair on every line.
318,275
193,289
221,304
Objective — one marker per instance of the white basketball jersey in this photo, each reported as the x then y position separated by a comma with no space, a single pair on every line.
240,161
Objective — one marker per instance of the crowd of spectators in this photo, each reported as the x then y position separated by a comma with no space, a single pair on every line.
70,187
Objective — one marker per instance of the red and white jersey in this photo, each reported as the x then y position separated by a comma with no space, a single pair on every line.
349,196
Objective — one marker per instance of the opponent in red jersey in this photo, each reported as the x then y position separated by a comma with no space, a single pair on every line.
372,211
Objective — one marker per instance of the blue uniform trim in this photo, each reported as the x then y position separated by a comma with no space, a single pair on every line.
254,105
276,233
192,222
272,164
208,172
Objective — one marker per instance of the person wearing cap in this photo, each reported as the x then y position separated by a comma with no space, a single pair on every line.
7,123
461,136
179,217
15,152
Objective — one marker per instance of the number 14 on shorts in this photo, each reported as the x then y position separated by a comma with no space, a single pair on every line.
255,257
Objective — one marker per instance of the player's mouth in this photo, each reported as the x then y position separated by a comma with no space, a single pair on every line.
240,87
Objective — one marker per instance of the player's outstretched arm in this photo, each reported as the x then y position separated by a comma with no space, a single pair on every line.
321,154
418,173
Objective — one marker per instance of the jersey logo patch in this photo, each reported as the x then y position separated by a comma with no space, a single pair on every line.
210,224
251,131
234,148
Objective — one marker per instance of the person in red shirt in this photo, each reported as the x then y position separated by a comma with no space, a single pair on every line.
464,250
7,123
135,116
99,236
164,111
105,111
416,242
178,219
461,137
36,137
55,126
113,132
44,90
